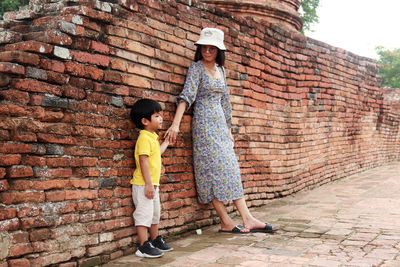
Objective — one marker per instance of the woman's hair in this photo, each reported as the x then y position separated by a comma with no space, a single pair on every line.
144,108
220,56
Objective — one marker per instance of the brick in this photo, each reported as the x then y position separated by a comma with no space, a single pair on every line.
9,225
62,52
51,36
10,159
20,172
24,137
4,186
49,173
99,47
58,139
94,59
81,194
7,37
15,96
31,46
20,250
81,70
8,213
21,197
28,212
51,259
51,184
4,81
52,65
21,57
39,235
12,68
36,86
19,263
55,196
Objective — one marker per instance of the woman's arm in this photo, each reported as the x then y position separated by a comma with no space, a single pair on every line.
173,131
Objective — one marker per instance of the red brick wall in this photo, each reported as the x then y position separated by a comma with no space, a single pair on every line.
305,113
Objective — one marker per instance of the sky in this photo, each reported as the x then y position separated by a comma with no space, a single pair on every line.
358,25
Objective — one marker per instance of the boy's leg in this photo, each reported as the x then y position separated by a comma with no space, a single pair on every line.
142,234
155,220
142,214
153,231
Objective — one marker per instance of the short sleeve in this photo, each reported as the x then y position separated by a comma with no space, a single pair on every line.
143,146
191,86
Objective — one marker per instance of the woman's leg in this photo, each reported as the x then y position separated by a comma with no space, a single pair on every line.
249,221
227,223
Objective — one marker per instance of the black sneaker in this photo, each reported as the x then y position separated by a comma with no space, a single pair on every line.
161,244
147,250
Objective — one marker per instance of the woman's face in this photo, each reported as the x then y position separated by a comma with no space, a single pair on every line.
209,53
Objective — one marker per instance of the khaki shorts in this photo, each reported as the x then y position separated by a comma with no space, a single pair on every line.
147,211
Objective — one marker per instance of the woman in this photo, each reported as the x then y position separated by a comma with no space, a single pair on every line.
216,167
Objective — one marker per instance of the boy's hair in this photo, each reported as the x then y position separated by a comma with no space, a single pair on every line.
144,108
220,56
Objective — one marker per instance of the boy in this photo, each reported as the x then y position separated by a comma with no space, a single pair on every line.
146,115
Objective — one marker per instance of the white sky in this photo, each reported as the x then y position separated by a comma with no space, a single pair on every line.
358,25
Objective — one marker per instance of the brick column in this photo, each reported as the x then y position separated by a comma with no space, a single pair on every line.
283,12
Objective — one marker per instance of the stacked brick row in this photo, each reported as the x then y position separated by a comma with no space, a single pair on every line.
305,113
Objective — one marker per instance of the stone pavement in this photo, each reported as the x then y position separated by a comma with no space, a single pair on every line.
351,222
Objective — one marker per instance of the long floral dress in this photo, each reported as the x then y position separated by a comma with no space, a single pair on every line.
216,167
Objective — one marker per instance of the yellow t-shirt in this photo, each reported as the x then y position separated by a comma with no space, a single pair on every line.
147,144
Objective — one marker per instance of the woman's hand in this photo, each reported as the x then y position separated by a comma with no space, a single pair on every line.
172,133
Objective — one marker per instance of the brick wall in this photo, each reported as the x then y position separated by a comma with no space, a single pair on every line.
305,113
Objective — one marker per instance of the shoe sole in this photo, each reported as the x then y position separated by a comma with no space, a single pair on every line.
144,255
166,250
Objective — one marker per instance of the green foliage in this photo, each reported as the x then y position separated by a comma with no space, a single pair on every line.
11,5
308,13
389,66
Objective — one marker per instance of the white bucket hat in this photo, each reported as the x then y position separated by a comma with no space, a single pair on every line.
212,36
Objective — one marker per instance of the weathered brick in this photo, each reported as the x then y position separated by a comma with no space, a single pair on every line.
10,159
36,86
95,59
12,68
39,235
31,46
99,47
19,171
52,65
81,70
20,57
21,197
19,263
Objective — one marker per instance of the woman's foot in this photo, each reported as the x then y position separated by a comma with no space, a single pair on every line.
232,226
254,224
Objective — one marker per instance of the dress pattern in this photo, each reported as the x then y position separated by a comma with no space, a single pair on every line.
216,168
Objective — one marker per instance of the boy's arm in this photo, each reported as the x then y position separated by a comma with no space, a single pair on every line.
164,146
144,167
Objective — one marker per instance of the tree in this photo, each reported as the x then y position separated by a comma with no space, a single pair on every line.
11,5
308,12
389,66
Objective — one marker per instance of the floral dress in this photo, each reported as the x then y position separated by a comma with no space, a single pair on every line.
216,167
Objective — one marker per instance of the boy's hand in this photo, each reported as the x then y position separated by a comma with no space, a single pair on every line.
149,191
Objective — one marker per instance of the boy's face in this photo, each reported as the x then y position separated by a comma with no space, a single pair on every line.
154,124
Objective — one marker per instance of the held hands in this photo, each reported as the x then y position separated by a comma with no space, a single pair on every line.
149,191
172,133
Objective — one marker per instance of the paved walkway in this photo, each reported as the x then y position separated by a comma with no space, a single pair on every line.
351,222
